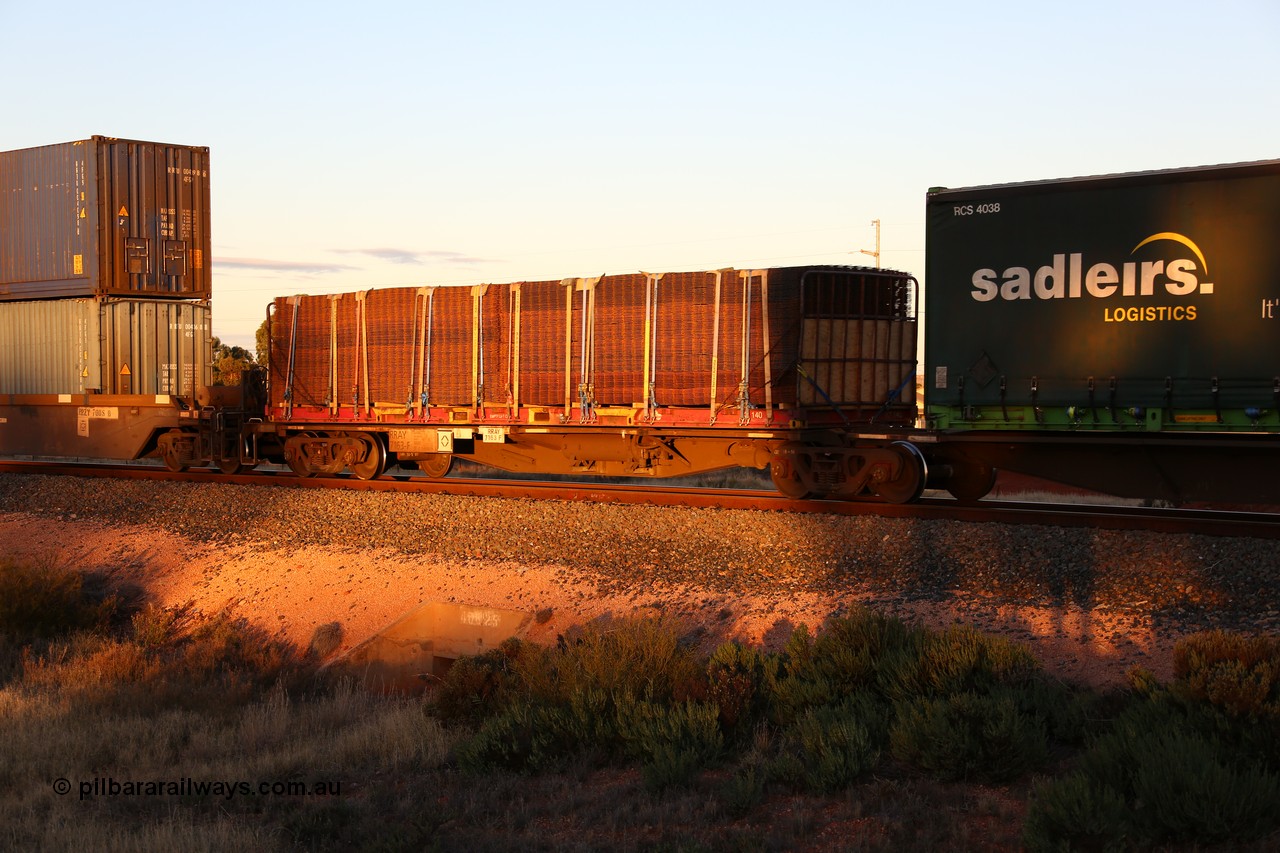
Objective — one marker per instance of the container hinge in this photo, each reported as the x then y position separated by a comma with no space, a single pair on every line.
1217,399
1093,406
1004,408
1111,406
1275,394
1168,395
1035,392
960,390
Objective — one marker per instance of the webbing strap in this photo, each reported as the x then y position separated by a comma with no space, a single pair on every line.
364,346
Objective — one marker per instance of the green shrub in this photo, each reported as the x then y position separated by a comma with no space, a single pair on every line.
637,657
1185,788
590,723
1075,813
40,601
969,735
650,727
738,680
671,766
477,687
521,737
836,748
846,655
958,660
745,789
1180,782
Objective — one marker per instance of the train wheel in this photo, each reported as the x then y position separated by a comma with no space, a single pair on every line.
229,466
909,484
173,461
971,481
171,454
437,465
375,458
786,478
296,458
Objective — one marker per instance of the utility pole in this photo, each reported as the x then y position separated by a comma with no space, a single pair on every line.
876,253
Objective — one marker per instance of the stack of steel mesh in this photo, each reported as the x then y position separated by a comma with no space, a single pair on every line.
704,334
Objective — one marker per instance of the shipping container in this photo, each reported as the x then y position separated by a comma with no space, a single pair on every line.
105,217
105,346
1145,301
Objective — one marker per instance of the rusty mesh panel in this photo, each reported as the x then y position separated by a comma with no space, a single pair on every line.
310,385
280,332
619,339
496,316
392,317
779,355
685,326
542,317
347,351
451,347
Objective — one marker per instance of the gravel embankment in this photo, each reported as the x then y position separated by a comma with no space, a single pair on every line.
709,557
1204,580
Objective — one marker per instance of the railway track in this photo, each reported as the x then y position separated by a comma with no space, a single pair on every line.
1104,516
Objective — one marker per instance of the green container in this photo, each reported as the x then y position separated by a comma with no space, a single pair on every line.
1146,301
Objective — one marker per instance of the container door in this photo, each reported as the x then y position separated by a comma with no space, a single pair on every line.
156,215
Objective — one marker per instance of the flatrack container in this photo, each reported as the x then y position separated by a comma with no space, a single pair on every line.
724,342
105,217
104,346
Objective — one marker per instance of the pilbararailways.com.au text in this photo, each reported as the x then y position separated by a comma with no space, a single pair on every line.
187,787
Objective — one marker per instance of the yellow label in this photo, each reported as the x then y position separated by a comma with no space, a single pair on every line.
1195,419
77,264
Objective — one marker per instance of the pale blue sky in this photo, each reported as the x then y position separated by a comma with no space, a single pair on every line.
389,144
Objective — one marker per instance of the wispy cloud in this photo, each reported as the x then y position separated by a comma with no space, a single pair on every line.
266,265
409,256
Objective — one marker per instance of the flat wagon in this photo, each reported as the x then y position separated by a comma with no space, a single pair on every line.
644,375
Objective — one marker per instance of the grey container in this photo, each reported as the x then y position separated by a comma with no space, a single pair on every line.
105,217
104,346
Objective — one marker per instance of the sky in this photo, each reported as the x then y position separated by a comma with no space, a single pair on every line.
389,144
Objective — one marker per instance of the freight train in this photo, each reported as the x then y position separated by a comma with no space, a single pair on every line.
1117,333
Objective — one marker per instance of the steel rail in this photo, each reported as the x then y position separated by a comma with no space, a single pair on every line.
1102,516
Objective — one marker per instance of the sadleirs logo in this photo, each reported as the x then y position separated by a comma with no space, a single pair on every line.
1067,277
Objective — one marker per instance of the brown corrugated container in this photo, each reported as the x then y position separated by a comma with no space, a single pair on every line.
105,217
